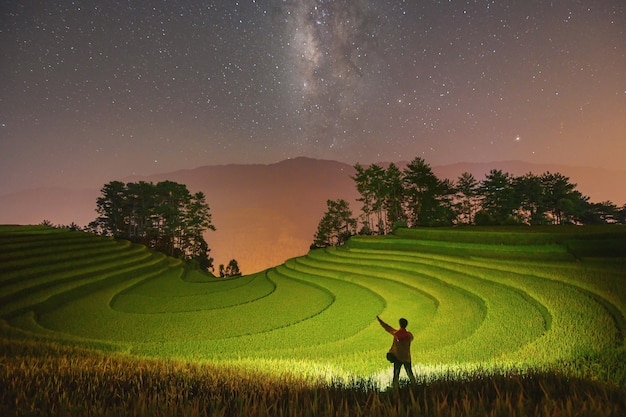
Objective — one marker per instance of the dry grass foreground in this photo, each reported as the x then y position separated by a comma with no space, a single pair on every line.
47,380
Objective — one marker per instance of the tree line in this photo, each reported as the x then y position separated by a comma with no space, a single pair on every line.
163,216
414,197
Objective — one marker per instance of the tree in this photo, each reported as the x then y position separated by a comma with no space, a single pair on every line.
604,212
73,227
620,216
231,270
171,200
563,202
370,183
394,198
467,197
498,196
111,210
362,180
165,217
140,199
416,197
202,259
574,208
530,194
197,221
336,226
445,213
427,197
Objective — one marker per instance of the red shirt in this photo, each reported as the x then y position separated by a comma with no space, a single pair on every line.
401,346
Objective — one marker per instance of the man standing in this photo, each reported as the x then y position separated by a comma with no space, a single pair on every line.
400,349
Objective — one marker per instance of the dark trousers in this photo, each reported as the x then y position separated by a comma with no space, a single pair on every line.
397,365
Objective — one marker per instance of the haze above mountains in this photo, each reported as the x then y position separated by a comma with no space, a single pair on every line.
265,214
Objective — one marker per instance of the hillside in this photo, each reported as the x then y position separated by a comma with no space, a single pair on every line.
513,320
475,295
265,214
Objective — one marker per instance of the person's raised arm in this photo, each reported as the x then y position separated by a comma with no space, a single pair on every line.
387,327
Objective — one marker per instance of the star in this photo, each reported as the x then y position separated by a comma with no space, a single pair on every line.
192,84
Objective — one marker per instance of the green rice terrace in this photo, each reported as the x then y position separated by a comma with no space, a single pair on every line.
479,301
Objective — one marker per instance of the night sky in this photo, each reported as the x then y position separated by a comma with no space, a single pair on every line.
96,90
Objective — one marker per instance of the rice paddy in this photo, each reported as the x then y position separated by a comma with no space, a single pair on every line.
481,303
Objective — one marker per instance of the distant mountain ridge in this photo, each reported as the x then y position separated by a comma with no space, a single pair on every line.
265,214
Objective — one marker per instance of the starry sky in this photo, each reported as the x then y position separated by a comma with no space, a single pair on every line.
96,90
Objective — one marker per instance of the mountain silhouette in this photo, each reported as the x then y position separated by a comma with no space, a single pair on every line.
267,213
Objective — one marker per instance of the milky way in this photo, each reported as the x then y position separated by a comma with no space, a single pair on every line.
93,89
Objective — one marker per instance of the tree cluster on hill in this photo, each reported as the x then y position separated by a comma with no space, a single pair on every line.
336,226
72,226
230,270
163,216
415,197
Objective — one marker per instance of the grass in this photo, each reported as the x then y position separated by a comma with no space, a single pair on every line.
506,321
171,294
48,380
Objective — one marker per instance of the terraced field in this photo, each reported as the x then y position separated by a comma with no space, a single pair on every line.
473,297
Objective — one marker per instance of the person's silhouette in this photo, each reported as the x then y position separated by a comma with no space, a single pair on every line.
400,349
